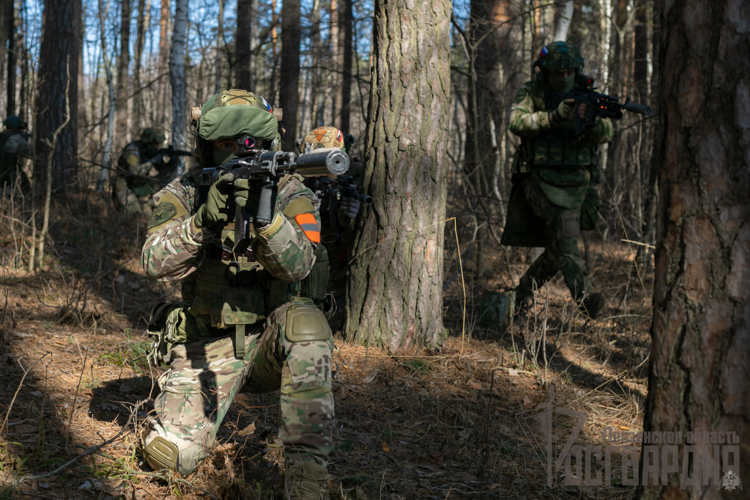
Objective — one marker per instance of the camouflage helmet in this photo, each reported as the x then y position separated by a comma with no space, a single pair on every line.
231,113
152,136
324,137
560,56
13,122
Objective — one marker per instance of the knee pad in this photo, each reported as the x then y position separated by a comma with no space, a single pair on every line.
305,323
569,224
161,454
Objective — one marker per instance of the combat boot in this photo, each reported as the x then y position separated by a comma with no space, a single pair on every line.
306,481
593,304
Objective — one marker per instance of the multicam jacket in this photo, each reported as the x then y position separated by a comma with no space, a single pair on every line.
223,289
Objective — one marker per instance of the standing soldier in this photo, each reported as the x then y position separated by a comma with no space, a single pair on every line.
13,146
553,173
337,234
242,324
138,170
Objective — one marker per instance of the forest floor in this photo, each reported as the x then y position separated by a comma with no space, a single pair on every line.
456,421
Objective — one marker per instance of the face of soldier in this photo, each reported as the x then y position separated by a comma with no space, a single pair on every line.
561,81
224,150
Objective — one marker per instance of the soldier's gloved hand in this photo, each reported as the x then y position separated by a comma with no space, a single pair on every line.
586,114
159,160
564,111
349,206
246,194
216,209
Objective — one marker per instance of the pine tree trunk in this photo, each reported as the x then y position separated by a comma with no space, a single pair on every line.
164,16
289,72
315,57
395,282
699,375
335,65
144,6
242,44
177,75
10,19
60,46
123,63
345,52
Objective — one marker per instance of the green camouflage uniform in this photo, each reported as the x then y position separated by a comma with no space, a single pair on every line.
13,145
552,171
242,326
131,188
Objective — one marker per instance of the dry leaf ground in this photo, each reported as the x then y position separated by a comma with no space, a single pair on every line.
449,422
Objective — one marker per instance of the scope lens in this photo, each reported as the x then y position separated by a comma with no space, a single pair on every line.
249,143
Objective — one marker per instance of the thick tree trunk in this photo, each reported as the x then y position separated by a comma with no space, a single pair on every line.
291,34
10,19
123,63
144,7
345,52
60,45
699,376
242,44
177,75
316,86
395,282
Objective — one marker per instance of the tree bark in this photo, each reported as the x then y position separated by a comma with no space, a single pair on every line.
242,43
289,72
699,374
10,19
563,21
345,52
144,7
164,18
60,45
336,63
123,63
316,86
395,281
177,75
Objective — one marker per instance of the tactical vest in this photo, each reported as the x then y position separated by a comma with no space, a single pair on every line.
8,161
558,147
228,290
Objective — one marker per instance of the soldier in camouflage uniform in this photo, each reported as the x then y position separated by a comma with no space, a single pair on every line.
13,146
132,189
553,172
243,324
336,248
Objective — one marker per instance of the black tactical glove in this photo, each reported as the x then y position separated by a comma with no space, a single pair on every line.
216,209
159,160
349,206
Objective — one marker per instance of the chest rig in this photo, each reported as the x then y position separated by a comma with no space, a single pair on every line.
557,147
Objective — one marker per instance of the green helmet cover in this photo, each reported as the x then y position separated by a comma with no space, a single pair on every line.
13,122
232,113
560,56
151,136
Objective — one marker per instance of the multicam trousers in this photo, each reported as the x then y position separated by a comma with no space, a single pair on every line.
205,377
561,251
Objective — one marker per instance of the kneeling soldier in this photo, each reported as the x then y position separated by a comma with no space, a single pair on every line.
242,324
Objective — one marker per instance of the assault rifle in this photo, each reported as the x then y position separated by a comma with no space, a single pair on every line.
601,105
265,167
343,186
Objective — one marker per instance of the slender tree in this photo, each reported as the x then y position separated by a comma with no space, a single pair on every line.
144,7
345,55
242,39
291,34
699,374
218,56
177,75
396,299
10,19
123,63
59,48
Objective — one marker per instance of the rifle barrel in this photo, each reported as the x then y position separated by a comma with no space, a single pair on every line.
637,108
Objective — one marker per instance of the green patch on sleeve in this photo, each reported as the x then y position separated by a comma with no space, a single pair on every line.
162,213
521,95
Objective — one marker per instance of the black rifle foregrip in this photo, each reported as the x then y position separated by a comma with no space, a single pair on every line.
265,206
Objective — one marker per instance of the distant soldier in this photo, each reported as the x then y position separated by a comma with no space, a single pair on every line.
139,169
337,237
13,146
552,199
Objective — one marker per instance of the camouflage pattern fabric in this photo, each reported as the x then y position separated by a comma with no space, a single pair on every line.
205,377
131,190
13,146
561,251
323,137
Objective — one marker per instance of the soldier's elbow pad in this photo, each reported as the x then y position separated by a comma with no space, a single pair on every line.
305,323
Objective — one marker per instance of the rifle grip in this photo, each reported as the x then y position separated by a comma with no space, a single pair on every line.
580,124
265,205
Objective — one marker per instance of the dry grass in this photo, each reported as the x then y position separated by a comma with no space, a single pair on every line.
450,422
